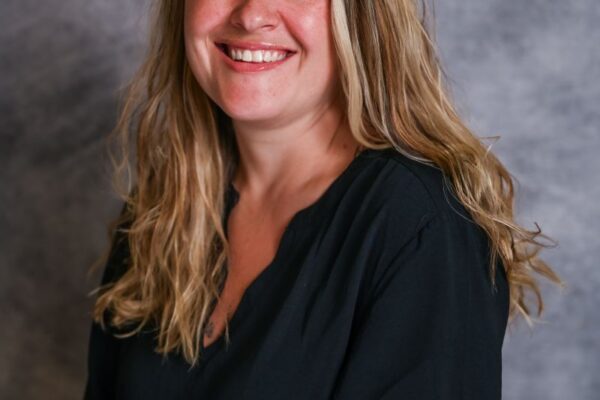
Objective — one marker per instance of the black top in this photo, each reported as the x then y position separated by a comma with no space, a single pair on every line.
378,290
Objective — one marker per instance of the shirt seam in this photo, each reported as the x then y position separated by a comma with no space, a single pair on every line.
431,202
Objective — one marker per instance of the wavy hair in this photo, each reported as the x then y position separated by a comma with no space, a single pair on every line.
172,222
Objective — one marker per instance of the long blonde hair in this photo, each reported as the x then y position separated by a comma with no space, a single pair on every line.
172,221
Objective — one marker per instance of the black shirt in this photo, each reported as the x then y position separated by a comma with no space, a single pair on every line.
379,290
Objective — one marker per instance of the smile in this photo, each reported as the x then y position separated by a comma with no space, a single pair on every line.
254,55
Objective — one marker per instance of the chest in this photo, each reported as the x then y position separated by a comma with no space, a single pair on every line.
254,241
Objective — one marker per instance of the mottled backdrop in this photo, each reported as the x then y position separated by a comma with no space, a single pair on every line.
526,71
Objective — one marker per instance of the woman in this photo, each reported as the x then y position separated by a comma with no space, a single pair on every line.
303,180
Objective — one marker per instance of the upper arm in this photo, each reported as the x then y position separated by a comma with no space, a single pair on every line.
423,334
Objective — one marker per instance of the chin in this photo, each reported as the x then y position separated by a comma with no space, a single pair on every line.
251,111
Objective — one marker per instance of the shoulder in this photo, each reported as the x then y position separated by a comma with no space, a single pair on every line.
422,185
412,206
414,192
427,226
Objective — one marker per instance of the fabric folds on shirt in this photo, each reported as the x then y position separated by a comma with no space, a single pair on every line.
380,289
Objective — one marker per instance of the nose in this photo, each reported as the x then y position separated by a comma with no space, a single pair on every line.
252,15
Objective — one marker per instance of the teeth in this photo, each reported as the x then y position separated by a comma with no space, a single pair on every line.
257,56
247,56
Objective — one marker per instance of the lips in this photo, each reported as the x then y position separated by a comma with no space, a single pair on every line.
249,57
225,45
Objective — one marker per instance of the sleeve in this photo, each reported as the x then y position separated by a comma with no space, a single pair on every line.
433,328
103,347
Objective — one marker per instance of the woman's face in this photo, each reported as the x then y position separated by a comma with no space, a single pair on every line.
256,89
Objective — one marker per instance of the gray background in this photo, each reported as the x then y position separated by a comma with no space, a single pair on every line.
525,70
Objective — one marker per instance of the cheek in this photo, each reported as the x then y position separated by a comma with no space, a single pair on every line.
200,18
311,25
309,22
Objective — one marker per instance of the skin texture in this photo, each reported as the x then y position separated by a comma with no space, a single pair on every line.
289,123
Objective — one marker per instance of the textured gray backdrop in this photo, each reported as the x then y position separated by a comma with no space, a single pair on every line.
525,70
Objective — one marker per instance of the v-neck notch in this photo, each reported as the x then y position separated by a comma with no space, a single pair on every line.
231,198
